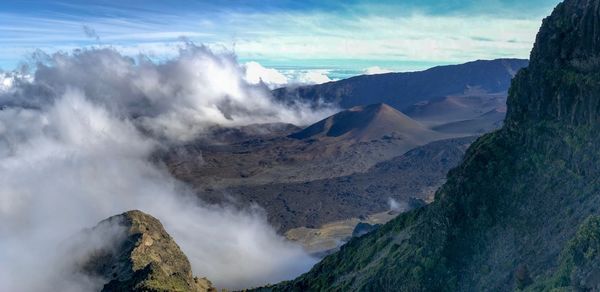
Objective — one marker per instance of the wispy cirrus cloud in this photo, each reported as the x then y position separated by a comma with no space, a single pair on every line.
433,31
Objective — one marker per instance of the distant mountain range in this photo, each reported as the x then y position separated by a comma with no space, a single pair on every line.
470,97
403,90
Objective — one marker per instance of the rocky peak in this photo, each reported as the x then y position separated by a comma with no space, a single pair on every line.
570,36
146,258
561,82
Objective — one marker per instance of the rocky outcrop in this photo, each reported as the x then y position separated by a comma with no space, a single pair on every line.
363,228
146,258
561,82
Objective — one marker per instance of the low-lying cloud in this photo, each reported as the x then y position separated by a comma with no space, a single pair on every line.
176,98
75,142
396,206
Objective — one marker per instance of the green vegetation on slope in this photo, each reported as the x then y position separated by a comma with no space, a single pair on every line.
579,267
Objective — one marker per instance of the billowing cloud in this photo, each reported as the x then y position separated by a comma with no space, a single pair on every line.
75,142
177,98
312,77
8,80
256,73
273,78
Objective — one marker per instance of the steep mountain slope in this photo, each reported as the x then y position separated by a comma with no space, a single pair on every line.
521,211
402,90
145,258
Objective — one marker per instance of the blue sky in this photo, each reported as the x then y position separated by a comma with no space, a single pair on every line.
343,35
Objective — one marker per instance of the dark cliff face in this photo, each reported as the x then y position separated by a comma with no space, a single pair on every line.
570,37
562,82
521,211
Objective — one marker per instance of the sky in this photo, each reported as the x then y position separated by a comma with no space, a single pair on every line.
340,38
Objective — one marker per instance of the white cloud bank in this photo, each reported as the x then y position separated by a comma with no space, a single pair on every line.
256,73
273,78
75,142
177,98
312,77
